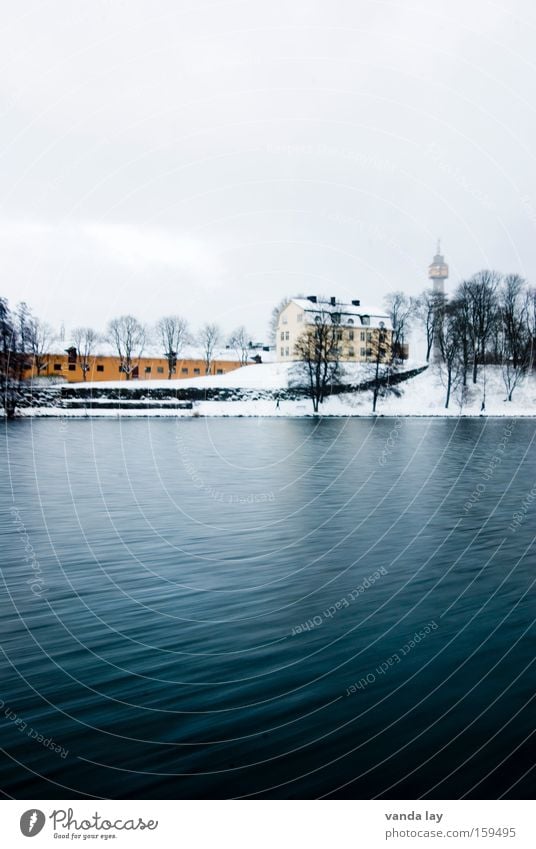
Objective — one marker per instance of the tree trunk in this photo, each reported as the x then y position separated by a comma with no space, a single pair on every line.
449,384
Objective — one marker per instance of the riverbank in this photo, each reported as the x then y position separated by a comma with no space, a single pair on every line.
267,391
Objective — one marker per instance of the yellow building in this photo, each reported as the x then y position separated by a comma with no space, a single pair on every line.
358,328
67,366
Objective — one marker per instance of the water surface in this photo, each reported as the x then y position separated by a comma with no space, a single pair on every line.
215,608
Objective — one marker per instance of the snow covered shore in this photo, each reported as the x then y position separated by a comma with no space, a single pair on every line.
423,395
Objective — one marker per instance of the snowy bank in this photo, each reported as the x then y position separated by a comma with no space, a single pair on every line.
422,395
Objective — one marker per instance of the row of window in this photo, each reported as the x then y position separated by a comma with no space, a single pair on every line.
336,319
340,335
351,334
364,352
148,369
160,370
71,367
368,336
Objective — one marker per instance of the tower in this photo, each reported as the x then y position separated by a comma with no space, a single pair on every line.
438,272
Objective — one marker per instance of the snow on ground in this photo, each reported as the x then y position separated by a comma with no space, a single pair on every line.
262,376
423,395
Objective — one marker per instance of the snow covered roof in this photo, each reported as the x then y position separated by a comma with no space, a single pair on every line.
348,312
189,352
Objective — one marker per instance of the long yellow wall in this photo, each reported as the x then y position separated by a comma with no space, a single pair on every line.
108,368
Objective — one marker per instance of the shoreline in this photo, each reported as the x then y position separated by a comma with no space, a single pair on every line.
59,413
420,394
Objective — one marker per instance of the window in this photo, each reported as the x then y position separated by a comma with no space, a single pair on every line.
339,335
362,335
57,366
318,320
351,352
286,352
160,369
282,335
299,317
72,367
350,321
197,371
336,317
365,319
184,371
100,368
369,352
286,336
363,352
351,335
148,369
219,371
369,336
282,352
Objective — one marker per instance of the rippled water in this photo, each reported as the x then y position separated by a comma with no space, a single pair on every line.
215,608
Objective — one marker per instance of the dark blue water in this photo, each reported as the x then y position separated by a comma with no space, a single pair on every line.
228,608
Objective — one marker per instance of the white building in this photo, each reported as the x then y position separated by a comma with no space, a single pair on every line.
358,327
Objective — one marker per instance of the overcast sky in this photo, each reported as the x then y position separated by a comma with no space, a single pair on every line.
209,158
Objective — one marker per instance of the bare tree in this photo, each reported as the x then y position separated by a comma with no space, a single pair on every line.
39,338
127,336
514,336
428,308
173,333
239,341
401,310
22,322
209,338
381,363
514,315
85,341
12,360
479,297
319,355
460,318
450,330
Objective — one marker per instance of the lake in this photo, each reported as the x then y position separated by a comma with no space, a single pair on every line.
271,608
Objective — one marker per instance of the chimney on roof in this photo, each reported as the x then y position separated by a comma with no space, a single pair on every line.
312,298
356,303
333,300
